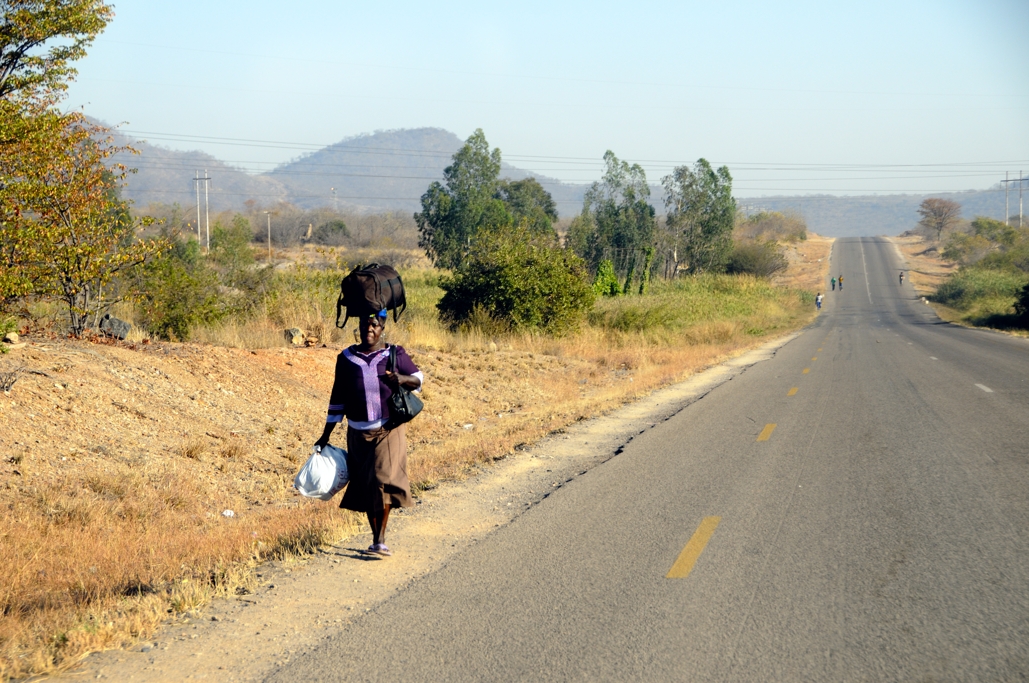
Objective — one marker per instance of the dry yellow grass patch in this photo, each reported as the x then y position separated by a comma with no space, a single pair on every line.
926,268
809,263
121,459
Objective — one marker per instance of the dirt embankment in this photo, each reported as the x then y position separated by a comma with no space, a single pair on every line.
808,263
135,477
139,481
927,269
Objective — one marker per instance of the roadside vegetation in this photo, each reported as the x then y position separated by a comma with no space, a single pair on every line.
124,458
990,286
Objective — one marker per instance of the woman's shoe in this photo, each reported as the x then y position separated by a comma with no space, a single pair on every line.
381,549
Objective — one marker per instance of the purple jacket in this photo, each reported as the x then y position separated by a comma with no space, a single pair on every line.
359,392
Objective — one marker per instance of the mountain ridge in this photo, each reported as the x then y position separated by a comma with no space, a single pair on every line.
389,170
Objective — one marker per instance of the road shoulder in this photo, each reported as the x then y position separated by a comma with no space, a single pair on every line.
298,603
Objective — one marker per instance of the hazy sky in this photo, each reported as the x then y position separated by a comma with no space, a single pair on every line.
798,98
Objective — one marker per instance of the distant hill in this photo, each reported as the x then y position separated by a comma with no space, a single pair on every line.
382,171
389,171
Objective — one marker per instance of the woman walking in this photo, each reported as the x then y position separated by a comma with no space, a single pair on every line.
377,449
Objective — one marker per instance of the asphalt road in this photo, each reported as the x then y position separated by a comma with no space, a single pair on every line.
879,531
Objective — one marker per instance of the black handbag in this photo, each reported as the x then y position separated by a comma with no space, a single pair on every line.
403,404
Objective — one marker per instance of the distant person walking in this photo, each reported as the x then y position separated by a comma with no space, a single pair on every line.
818,301
833,283
376,449
841,283
902,277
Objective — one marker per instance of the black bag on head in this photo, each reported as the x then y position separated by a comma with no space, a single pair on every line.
370,289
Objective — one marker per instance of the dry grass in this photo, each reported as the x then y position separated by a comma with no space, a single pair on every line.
117,522
809,263
927,270
97,562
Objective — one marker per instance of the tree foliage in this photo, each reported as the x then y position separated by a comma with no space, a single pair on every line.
991,244
1022,306
615,213
701,214
332,233
29,74
64,230
605,282
939,215
529,204
519,280
178,290
761,259
454,211
230,245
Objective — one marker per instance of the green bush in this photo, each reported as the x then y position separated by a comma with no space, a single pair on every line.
1015,258
332,233
7,324
230,246
1022,305
972,284
518,279
177,291
760,260
606,281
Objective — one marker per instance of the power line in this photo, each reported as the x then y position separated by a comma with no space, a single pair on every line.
283,196
278,144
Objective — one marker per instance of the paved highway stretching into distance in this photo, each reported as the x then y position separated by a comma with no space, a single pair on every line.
854,509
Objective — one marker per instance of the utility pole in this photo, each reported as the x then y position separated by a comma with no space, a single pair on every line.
196,181
1007,211
207,209
269,214
1007,183
335,206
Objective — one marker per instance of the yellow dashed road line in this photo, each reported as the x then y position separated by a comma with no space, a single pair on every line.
807,370
792,392
766,433
689,555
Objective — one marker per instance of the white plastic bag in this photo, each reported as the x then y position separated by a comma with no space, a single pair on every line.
324,474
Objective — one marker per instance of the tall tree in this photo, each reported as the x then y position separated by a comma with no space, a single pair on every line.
529,204
28,72
466,202
615,214
700,215
939,215
65,232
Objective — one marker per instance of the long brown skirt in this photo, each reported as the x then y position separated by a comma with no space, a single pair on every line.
377,461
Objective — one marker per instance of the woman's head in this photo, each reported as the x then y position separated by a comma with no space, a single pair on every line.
371,328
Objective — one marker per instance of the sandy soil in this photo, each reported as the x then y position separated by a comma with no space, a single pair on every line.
808,263
237,423
926,268
303,601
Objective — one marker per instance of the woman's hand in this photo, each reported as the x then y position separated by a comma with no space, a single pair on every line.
396,380
323,440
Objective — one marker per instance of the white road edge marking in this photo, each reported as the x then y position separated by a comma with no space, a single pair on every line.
865,266
933,358
985,388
